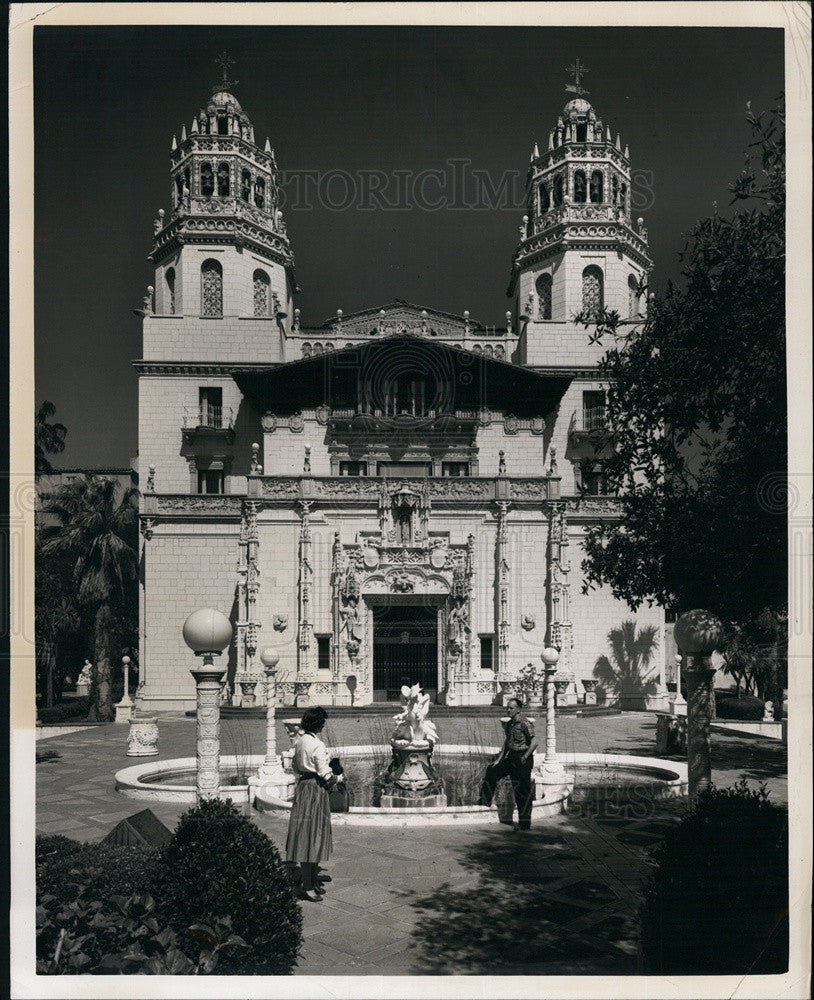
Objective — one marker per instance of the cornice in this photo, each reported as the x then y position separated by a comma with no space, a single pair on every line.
146,367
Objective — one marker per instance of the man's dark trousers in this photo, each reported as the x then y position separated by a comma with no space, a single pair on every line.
511,765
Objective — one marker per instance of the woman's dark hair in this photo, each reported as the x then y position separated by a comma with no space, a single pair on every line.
519,701
313,719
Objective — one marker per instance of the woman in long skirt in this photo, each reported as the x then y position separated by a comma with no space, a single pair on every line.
309,828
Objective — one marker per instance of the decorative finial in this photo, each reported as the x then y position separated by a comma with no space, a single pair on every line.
552,468
306,465
577,70
255,468
501,468
225,62
150,488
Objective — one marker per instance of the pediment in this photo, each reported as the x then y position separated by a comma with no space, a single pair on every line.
401,318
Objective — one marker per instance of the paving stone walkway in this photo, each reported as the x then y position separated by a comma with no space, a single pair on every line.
437,900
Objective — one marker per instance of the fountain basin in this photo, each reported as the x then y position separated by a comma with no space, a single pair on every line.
174,781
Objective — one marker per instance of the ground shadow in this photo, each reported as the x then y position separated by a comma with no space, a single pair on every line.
519,917
622,676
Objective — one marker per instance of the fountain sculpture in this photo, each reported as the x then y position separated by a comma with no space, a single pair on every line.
411,780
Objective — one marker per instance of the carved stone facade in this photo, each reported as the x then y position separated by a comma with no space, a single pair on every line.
400,489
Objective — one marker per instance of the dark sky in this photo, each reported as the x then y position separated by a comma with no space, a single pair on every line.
108,101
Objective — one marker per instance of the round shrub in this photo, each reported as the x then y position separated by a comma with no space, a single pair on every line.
746,708
219,864
717,902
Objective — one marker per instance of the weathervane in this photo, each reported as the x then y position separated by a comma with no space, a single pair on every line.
225,61
576,70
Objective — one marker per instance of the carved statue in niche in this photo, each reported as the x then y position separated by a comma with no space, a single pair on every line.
351,621
457,625
404,524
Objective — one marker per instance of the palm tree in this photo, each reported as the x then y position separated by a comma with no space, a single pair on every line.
97,535
48,438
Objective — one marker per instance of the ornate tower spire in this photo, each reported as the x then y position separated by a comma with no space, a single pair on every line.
225,195
580,252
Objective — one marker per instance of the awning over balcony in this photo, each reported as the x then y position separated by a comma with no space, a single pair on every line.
361,377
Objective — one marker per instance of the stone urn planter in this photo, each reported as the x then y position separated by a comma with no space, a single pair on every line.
302,694
590,691
142,739
561,688
507,690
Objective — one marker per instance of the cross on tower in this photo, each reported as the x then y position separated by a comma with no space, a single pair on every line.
225,62
576,70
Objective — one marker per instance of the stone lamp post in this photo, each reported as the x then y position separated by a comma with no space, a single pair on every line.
124,708
551,774
271,776
698,634
207,633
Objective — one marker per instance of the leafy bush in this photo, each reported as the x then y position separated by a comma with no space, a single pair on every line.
73,710
220,866
100,870
730,707
717,902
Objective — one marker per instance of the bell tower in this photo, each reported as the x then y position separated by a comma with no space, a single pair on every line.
222,252
221,298
579,252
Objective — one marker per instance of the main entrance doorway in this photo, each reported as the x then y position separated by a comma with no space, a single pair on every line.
405,649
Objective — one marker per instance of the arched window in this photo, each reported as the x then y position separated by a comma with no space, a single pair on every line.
407,393
633,296
614,189
211,288
223,180
623,198
223,125
207,180
544,296
246,185
261,293
580,190
597,186
558,190
170,279
582,132
260,193
306,350
544,198
179,190
592,295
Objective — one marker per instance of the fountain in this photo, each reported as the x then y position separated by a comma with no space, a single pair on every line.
411,781
399,784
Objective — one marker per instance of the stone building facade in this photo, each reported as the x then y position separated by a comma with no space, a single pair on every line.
395,495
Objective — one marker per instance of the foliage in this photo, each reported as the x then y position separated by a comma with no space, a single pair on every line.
755,657
49,439
696,407
623,675
57,620
245,881
530,683
748,708
95,538
717,902
94,915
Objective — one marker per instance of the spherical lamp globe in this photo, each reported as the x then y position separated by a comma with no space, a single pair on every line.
269,658
207,631
550,656
698,633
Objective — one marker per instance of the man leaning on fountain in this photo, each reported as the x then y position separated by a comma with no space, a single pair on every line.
515,762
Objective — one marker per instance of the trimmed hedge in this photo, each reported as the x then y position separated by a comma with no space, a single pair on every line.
103,870
70,710
746,708
219,865
717,902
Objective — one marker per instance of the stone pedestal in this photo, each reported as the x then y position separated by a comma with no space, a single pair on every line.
82,690
302,694
142,740
590,691
124,710
411,781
